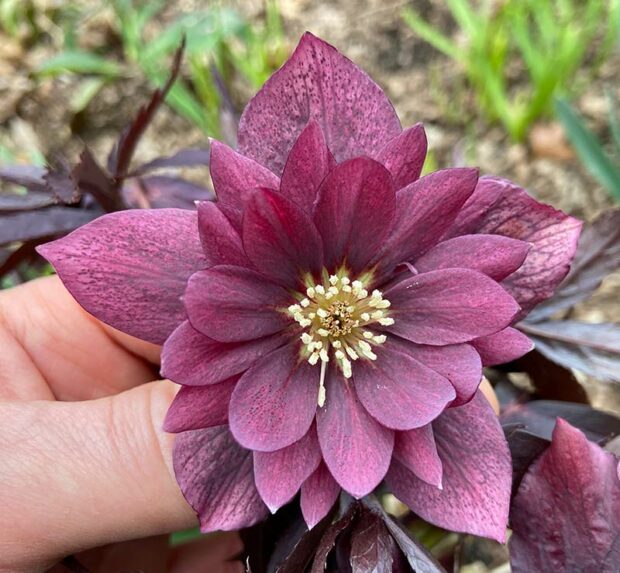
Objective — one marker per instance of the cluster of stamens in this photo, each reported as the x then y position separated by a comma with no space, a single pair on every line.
336,316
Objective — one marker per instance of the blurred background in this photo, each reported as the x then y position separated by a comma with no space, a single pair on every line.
524,89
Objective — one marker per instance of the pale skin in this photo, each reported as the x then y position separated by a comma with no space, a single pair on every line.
83,460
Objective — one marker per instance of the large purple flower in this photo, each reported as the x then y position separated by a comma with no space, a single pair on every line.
329,316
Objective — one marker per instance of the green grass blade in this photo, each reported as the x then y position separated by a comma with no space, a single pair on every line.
589,149
77,62
430,34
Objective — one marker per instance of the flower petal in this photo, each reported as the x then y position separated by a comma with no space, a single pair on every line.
502,208
459,363
221,242
449,306
354,212
317,83
280,474
196,407
424,211
404,155
400,392
492,255
215,475
356,448
189,357
129,269
307,165
233,304
275,401
504,346
234,179
477,474
566,514
318,495
281,239
417,451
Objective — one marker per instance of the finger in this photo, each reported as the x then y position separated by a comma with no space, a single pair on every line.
83,474
213,553
55,341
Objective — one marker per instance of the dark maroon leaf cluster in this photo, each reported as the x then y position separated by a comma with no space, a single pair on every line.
61,198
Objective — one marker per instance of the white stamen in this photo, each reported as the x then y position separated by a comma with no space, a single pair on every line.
368,334
322,392
352,353
311,292
346,368
333,280
365,316
319,289
377,314
324,355
306,338
305,303
379,339
386,321
314,358
322,332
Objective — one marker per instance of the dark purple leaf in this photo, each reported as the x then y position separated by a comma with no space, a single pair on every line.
371,545
420,560
122,154
538,417
566,514
525,447
30,176
161,191
329,538
90,177
190,157
551,380
598,254
49,222
591,348
27,202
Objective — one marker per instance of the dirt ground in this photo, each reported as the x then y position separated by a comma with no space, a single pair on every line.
423,84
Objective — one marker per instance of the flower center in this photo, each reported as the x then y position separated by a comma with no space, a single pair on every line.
338,317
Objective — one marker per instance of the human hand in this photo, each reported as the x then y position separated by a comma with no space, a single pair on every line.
83,460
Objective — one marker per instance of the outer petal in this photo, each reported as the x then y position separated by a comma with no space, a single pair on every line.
307,165
566,514
275,401
234,179
354,212
356,448
459,363
417,451
221,242
476,474
404,155
424,211
317,83
318,495
504,346
215,475
129,269
279,474
190,358
400,392
281,239
449,306
233,304
492,255
194,408
500,207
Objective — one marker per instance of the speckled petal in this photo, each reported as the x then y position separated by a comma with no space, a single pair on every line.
129,269
235,178
449,306
234,304
275,401
317,83
354,212
404,155
280,239
307,165
215,475
417,451
221,243
356,448
280,474
477,473
318,495
502,347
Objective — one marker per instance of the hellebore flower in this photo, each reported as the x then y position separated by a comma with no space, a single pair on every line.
329,316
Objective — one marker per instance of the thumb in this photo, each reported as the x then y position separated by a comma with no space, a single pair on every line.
81,474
